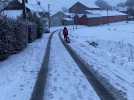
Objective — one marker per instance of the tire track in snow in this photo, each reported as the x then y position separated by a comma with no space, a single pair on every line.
38,91
102,92
65,80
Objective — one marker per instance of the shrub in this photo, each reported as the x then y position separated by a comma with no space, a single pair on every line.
13,37
3,45
39,28
35,19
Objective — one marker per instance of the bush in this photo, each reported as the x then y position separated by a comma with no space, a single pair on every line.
15,34
32,32
3,45
35,19
39,28
13,37
21,35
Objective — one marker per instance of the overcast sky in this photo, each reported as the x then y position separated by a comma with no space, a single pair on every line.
115,2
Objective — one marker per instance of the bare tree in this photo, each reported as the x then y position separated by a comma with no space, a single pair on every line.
121,4
103,4
130,6
64,9
130,3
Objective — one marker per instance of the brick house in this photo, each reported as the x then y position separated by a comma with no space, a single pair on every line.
84,15
101,17
80,8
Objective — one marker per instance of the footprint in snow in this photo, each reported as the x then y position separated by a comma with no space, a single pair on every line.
54,89
21,85
14,95
50,95
21,89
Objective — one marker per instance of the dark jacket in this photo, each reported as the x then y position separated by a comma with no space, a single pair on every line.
65,31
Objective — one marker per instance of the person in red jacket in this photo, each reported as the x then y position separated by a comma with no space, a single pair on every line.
65,33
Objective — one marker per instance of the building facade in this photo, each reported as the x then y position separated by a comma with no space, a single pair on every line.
83,15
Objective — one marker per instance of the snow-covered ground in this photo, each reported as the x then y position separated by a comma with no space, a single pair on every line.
65,80
110,50
18,73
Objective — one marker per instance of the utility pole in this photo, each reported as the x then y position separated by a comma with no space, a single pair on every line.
73,21
107,17
49,19
24,8
76,20
76,16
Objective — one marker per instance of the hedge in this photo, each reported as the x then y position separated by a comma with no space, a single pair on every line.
16,34
13,37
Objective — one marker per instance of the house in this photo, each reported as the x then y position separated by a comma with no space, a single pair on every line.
98,17
13,9
84,15
57,19
80,8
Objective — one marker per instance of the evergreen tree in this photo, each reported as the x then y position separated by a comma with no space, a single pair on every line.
130,6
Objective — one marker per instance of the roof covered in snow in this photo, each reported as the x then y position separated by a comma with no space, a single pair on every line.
102,13
97,13
14,14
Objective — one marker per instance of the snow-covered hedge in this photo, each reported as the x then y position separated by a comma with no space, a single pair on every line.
39,25
13,37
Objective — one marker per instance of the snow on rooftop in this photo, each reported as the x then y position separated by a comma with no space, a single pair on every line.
68,19
97,13
12,13
101,13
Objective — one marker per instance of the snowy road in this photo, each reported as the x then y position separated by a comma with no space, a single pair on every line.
19,72
65,80
112,60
